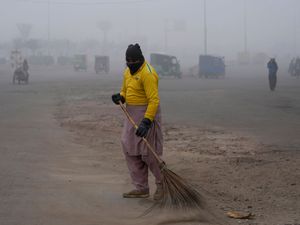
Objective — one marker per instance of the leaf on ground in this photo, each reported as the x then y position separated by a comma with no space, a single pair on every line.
239,215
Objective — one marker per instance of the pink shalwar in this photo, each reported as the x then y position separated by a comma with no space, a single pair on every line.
139,158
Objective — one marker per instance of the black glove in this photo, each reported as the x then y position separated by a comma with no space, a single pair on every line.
116,98
143,128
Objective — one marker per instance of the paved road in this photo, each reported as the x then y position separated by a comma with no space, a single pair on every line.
44,177
47,179
242,104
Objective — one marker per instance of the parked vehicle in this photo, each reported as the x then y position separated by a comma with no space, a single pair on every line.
80,63
101,64
165,65
211,66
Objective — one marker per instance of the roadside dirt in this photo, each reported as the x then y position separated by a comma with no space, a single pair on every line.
234,173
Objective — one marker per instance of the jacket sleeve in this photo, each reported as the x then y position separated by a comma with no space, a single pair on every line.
123,88
150,84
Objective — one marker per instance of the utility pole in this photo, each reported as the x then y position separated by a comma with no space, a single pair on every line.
295,28
205,28
245,27
166,34
105,27
48,27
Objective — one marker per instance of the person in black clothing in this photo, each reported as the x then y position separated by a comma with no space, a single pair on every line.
273,68
25,65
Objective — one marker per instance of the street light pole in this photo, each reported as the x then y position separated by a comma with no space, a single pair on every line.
166,35
48,27
245,27
104,26
205,28
166,39
295,28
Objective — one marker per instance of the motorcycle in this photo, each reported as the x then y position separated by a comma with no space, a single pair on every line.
20,75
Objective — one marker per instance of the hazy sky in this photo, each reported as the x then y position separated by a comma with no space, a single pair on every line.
271,23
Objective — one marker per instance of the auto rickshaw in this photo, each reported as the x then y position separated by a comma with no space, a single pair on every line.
80,63
165,65
101,64
211,66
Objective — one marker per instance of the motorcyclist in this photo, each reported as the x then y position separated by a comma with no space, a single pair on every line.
25,67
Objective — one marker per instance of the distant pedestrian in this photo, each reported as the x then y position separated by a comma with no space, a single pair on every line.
297,67
25,69
292,67
25,65
273,68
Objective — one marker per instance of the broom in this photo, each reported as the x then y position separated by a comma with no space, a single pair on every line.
177,193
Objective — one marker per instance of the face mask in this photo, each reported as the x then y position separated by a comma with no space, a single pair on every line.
134,67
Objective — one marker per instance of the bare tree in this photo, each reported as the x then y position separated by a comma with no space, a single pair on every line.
25,30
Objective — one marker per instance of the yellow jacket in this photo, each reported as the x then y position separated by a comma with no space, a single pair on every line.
141,88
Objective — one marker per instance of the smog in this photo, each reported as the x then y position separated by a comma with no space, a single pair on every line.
227,113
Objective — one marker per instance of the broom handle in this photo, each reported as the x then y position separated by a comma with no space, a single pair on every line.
160,161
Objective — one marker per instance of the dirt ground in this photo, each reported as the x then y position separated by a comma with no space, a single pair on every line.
234,140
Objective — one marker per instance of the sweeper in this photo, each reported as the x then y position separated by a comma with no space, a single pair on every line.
140,93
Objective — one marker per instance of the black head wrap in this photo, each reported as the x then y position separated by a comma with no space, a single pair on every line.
134,58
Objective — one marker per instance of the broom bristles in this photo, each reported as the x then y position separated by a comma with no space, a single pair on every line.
177,194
